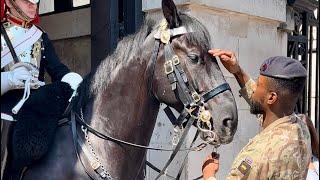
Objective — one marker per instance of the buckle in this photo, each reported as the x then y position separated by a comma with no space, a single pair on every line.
95,165
168,67
165,36
196,97
175,60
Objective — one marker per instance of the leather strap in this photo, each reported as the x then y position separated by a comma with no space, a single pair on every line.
173,32
152,61
75,143
91,159
157,169
186,157
6,38
176,121
19,10
170,115
209,95
18,21
182,117
182,92
109,138
174,153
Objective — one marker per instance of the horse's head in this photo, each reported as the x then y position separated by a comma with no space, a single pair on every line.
186,53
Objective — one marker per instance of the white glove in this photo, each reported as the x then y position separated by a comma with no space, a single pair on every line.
35,83
14,79
73,79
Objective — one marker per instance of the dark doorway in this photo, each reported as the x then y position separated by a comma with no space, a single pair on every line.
110,21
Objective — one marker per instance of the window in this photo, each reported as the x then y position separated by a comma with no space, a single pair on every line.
56,6
78,3
46,6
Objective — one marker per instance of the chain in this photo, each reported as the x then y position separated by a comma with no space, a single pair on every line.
97,163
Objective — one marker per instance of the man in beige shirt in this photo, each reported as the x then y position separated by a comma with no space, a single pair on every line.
282,150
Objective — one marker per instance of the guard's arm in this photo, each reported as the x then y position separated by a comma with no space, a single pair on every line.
51,61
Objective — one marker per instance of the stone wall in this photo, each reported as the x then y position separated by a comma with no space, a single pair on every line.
70,35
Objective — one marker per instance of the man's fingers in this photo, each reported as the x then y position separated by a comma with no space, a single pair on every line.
36,85
24,77
19,84
225,58
221,53
227,53
212,51
208,157
217,53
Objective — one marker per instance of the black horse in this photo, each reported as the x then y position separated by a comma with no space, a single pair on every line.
122,99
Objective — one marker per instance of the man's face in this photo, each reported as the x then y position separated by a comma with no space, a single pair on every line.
258,96
30,9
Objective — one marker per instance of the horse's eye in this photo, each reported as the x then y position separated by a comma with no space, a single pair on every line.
194,58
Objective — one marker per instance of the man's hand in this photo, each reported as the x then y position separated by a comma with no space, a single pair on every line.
210,166
14,79
18,76
228,59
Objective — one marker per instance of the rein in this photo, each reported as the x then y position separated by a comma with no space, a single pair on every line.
194,111
86,126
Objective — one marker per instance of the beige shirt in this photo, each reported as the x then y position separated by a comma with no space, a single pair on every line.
281,151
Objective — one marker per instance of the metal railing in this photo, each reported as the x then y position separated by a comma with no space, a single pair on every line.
303,44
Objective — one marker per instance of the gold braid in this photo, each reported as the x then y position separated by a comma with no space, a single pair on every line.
20,12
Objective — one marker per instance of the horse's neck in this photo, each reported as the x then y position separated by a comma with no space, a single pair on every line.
125,110
126,100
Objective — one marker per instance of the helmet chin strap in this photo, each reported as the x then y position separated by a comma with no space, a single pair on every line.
22,15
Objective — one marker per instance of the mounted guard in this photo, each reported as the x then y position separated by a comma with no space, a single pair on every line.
30,110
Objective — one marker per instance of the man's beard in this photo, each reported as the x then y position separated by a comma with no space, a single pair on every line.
256,107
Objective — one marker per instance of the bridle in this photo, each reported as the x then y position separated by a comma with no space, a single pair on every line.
194,110
184,91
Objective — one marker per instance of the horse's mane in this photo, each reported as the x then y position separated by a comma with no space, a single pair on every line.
130,47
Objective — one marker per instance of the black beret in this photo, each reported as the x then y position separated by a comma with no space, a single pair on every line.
283,68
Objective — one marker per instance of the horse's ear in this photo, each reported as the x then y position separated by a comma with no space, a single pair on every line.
170,12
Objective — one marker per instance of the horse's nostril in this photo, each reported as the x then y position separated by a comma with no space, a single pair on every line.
227,122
